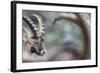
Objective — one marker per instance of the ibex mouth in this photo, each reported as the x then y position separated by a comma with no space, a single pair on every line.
40,53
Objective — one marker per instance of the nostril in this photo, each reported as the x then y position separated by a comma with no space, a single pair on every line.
44,52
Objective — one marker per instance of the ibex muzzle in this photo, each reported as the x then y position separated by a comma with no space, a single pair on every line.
38,47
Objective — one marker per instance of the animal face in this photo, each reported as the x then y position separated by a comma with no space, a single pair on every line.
34,34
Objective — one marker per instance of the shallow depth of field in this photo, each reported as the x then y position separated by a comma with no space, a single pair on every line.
66,37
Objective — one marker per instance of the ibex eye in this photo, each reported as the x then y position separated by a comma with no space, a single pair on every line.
34,37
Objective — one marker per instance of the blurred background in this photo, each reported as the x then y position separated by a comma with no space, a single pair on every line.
67,36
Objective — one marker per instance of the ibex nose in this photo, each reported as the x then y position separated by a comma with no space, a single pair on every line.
43,52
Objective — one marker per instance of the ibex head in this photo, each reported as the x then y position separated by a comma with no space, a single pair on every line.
36,40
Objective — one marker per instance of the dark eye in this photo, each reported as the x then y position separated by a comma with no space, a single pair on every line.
34,37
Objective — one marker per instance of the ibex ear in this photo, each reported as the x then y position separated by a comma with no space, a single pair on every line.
25,38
